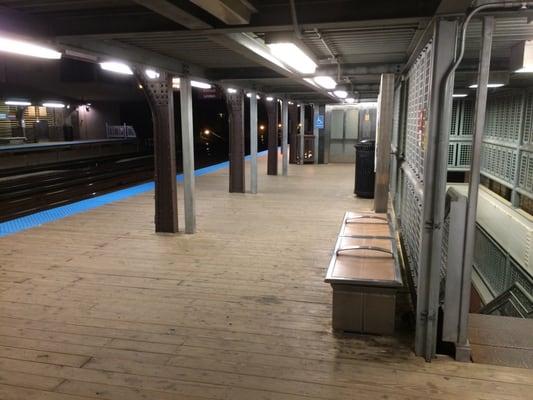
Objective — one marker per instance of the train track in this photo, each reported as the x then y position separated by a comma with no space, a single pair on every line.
28,190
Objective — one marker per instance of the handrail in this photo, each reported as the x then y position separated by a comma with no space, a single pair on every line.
514,295
353,220
372,248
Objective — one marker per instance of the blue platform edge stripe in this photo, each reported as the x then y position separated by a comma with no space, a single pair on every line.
43,217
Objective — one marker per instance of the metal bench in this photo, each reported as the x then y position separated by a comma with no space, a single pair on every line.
364,274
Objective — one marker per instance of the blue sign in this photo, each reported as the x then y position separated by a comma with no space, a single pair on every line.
319,121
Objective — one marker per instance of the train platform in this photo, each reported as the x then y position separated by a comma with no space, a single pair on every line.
237,311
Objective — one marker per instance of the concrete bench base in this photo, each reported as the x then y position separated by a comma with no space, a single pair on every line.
363,309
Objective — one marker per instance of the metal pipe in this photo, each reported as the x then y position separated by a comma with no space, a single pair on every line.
302,133
253,142
285,136
473,187
295,20
316,113
187,139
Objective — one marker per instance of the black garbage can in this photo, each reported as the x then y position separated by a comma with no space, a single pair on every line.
364,168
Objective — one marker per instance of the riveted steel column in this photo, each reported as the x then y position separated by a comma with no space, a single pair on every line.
473,186
160,99
187,140
235,103
272,115
301,150
435,177
293,133
316,113
285,136
253,142
383,143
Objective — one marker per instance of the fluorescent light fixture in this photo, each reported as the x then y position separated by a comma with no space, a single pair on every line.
490,85
311,81
117,67
341,94
200,85
291,103
53,104
459,95
249,95
17,103
270,98
525,70
293,56
327,82
232,90
151,74
28,49
349,100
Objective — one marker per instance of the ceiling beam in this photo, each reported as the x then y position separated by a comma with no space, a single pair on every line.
231,12
171,11
112,50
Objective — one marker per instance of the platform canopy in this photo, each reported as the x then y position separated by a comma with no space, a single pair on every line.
227,40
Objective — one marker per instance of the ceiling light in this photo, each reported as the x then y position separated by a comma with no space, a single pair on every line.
459,95
349,100
117,67
200,85
341,94
249,95
28,49
291,103
17,103
490,85
232,90
270,98
327,82
151,74
293,56
53,104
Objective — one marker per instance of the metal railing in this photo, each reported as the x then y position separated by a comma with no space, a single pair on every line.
120,132
513,302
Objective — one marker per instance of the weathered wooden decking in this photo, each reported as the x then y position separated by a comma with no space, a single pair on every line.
98,306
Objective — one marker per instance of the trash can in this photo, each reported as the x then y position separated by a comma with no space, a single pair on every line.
364,168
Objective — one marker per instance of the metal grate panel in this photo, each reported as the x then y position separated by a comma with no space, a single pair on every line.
418,111
451,154
499,162
504,117
464,155
490,262
411,225
525,172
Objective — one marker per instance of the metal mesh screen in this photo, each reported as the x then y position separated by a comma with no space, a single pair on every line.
489,261
525,178
411,218
499,162
418,101
460,149
504,117
417,112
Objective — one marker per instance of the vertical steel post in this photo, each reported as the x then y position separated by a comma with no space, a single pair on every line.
253,142
285,136
315,133
293,133
435,178
272,136
161,101
383,143
473,186
235,102
187,140
302,133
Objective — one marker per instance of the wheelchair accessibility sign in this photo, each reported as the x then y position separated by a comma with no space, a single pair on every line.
319,121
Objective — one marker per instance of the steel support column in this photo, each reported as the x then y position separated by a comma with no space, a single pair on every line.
187,140
473,187
285,136
383,143
315,133
272,115
293,133
435,177
253,142
160,99
301,150
235,103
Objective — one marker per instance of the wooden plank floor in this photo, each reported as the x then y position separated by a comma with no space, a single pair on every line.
98,306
